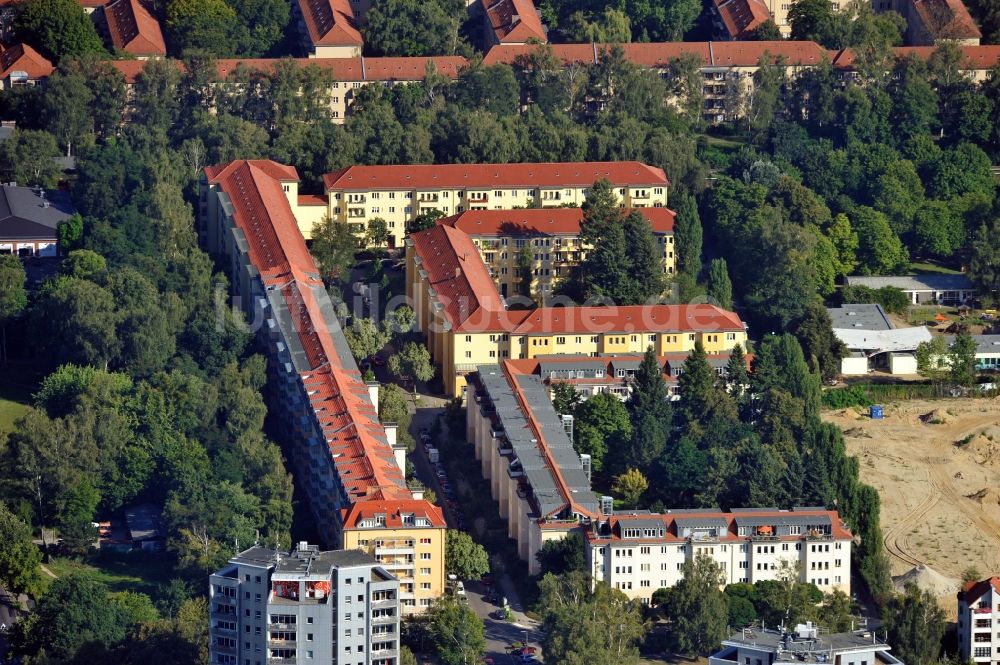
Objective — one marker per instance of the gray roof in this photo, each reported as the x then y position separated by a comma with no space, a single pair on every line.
860,317
925,282
5,132
627,365
25,214
143,521
984,343
626,522
255,556
785,519
772,640
311,562
584,363
526,446
694,521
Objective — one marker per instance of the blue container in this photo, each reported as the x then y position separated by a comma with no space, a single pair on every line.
875,412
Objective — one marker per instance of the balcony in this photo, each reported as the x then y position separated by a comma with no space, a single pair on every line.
478,198
427,198
357,198
282,626
355,212
225,648
384,618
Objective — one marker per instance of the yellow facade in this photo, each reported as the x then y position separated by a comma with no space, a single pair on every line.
552,259
400,207
456,353
415,555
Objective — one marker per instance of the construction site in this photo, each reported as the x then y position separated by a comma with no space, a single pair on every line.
936,466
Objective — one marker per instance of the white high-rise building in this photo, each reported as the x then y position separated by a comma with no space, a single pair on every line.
269,607
979,622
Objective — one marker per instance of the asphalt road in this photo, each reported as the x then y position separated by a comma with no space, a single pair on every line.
499,633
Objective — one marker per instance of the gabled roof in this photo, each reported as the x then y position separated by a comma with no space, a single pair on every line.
26,215
749,53
973,57
741,17
23,58
490,176
330,22
514,21
542,221
946,19
393,512
133,28
973,591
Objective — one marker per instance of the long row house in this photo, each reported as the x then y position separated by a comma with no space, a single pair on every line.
349,463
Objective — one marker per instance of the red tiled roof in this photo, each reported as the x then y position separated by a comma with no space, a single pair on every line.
133,28
839,531
311,200
23,58
749,53
973,57
542,221
973,591
946,19
509,54
342,69
393,512
514,21
264,215
338,396
741,17
330,22
457,274
488,176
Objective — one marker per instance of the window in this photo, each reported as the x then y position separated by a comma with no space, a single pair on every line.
560,340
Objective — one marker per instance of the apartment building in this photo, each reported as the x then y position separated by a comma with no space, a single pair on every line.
550,236
520,441
399,194
803,644
403,537
511,22
979,622
640,552
342,455
22,65
590,375
303,607
132,29
467,323
328,28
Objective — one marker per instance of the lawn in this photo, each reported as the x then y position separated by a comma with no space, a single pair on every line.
919,268
17,382
9,412
141,572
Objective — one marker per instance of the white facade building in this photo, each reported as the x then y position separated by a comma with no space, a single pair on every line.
979,622
304,607
803,645
638,553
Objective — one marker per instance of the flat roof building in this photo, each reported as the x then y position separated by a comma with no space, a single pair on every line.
803,644
926,289
302,607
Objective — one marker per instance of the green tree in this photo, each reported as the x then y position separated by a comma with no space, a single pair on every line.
378,231
599,422
137,607
915,624
77,531
962,359
650,409
57,28
699,607
845,242
201,25
457,632
939,229
565,397
84,264
701,396
19,557
365,338
525,262
630,485
881,253
741,610
720,289
932,360
810,19
69,232
13,296
588,625
821,347
75,611
262,25
75,319
29,157
837,613
66,108
465,557
334,247
984,262
768,31
412,363
408,28
562,556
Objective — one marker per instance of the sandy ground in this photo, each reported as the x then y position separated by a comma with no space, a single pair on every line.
940,496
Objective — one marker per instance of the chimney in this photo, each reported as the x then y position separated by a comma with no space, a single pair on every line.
373,392
417,494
